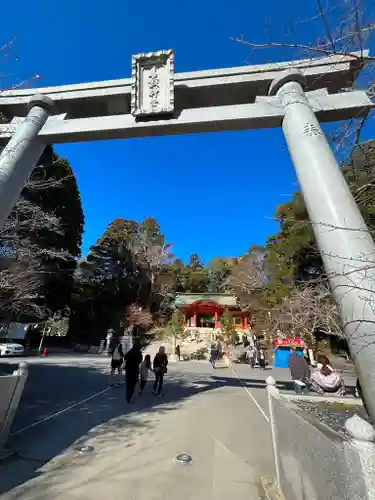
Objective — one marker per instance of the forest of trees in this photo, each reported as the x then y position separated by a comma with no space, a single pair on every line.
283,283
130,275
40,243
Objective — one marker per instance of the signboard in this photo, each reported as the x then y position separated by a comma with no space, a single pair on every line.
286,342
152,84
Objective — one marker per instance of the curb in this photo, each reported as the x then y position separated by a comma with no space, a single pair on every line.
271,490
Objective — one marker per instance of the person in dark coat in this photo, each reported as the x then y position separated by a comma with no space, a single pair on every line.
262,358
160,369
178,352
133,359
214,354
219,349
299,370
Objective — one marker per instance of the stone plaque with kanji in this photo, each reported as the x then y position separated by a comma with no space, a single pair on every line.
152,84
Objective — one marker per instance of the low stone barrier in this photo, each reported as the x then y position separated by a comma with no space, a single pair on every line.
11,388
314,462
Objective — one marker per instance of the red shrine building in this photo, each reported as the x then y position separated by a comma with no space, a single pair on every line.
206,310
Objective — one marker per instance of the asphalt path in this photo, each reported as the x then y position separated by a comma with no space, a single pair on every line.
54,384
134,446
67,403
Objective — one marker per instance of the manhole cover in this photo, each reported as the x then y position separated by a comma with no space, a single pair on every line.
85,449
184,458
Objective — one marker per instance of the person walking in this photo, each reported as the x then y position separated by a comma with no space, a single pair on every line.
226,354
262,358
299,370
251,355
213,355
133,359
219,349
117,360
145,370
178,352
257,349
160,369
256,342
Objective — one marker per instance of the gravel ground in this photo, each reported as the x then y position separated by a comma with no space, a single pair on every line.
333,414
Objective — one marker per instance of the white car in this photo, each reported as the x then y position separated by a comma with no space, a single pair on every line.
10,348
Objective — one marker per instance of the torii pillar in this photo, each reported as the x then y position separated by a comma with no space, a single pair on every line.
344,241
21,154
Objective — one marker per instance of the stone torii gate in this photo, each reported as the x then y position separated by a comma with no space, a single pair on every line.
155,101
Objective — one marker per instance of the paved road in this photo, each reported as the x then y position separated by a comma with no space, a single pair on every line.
206,413
219,417
55,383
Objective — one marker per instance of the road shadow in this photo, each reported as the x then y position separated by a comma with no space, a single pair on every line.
52,387
103,419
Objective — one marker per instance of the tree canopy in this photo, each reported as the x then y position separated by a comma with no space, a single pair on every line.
292,254
129,277
128,265
40,243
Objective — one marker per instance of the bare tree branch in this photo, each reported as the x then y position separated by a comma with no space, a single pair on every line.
310,308
345,32
20,286
314,49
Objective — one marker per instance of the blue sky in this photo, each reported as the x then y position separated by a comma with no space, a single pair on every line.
214,194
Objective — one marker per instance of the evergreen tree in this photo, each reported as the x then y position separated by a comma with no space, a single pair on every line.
61,199
125,267
197,277
292,254
42,239
219,269
195,263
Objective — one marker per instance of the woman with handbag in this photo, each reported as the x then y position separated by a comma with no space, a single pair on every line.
160,369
